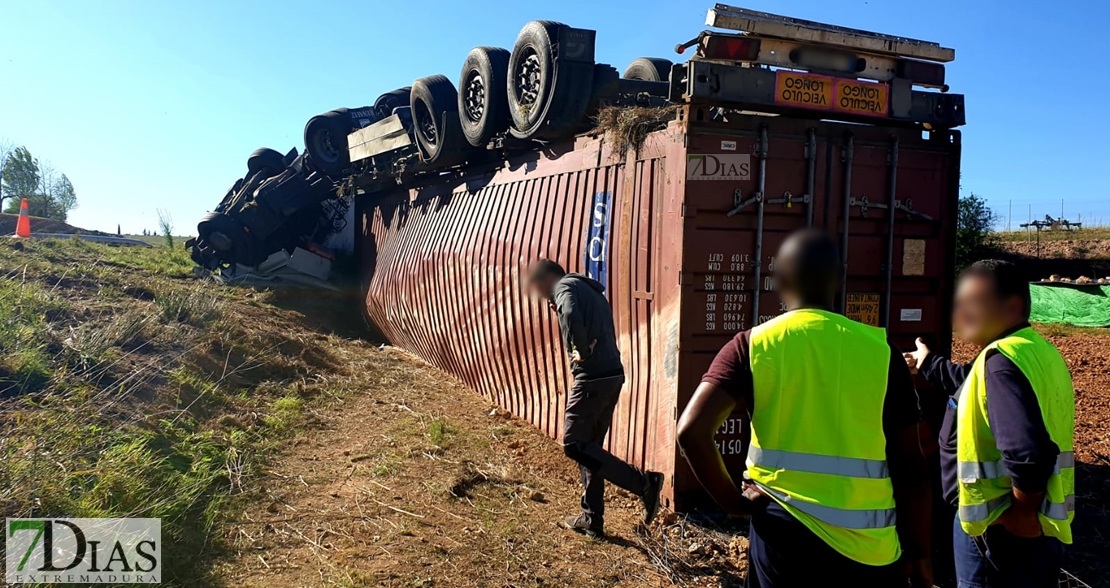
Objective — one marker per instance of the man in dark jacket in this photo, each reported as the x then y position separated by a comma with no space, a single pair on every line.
586,323
1015,403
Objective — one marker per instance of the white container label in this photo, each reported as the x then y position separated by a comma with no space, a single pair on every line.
911,315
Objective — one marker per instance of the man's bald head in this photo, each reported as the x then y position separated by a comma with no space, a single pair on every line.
807,269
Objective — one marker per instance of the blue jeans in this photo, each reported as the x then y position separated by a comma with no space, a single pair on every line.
1001,560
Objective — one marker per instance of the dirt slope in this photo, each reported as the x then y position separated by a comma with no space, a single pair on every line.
417,481
41,225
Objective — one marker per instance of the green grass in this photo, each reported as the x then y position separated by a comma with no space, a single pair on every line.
128,387
1085,234
439,432
1061,330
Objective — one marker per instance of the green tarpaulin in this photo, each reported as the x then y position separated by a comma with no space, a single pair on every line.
1082,306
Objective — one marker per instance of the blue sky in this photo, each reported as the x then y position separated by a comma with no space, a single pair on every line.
156,104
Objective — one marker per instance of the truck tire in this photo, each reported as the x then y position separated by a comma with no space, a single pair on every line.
325,142
483,94
550,85
649,69
384,105
532,75
435,119
265,159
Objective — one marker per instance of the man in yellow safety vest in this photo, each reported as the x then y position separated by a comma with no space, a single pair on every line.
837,481
1006,440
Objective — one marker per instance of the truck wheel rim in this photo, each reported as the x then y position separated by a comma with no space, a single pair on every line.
425,123
475,101
327,150
529,78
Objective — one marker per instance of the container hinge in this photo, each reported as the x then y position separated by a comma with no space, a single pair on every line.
906,206
788,199
740,204
865,204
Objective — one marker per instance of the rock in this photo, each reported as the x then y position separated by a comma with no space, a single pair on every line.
696,549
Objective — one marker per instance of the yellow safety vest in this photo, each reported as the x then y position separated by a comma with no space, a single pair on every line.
818,446
985,487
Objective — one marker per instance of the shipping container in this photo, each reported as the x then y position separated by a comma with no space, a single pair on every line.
683,231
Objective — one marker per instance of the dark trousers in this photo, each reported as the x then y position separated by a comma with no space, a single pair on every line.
784,553
590,406
998,559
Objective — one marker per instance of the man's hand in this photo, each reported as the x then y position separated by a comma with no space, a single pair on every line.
916,359
1020,523
920,572
755,499
576,357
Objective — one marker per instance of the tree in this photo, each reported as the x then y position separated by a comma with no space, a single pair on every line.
21,177
48,193
6,149
974,223
63,197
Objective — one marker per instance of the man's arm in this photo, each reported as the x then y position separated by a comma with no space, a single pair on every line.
1028,453
938,371
707,410
571,321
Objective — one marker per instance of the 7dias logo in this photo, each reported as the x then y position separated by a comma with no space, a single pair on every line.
86,551
721,166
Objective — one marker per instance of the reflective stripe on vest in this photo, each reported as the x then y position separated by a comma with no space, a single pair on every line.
847,519
972,471
818,464
973,513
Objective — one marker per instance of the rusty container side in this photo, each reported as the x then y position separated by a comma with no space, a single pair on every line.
728,261
444,268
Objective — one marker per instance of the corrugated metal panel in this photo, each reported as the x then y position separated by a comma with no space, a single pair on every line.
444,263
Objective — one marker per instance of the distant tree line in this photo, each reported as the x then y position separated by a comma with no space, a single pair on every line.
49,192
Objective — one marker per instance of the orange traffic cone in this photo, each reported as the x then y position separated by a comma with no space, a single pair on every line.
23,225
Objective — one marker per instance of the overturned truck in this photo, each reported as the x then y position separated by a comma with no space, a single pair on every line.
673,185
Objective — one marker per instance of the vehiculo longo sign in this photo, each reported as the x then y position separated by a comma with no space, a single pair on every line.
817,92
83,551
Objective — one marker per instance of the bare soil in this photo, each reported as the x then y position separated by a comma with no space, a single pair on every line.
1061,249
418,481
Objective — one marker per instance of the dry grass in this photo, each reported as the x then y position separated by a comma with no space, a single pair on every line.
628,127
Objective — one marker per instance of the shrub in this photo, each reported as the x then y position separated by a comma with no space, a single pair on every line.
974,240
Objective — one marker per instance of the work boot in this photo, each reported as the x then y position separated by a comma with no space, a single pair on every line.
651,496
581,524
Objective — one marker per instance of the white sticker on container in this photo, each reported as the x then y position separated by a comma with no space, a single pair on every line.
728,145
911,315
